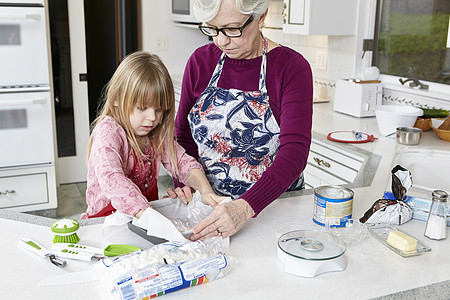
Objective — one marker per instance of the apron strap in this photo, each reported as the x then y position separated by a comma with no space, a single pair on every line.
262,73
217,71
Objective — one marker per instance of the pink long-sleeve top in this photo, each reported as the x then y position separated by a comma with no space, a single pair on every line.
289,85
111,162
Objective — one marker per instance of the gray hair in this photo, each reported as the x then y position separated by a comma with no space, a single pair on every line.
206,10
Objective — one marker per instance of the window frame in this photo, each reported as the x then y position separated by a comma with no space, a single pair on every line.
436,90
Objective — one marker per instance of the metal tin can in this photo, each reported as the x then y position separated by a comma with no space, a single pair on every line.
333,205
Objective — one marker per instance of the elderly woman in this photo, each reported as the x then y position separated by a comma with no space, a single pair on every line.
245,112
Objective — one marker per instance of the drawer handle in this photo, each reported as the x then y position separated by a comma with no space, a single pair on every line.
6,192
19,17
321,162
23,102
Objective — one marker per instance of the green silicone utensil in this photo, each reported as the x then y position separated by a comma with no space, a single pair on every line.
82,252
118,249
65,231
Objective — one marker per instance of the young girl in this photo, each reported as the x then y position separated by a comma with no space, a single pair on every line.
131,137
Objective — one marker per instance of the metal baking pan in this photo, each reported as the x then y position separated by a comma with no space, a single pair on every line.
143,234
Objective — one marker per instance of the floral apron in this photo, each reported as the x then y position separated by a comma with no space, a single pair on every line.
236,133
143,175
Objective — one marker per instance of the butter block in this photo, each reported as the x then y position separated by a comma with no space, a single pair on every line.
401,241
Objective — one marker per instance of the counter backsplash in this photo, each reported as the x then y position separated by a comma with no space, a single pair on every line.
325,88
398,97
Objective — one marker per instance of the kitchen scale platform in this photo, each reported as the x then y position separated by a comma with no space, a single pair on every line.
308,253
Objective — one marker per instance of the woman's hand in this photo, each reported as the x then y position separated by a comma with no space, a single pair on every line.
225,220
184,193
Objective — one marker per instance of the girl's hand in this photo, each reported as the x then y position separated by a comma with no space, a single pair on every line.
225,220
184,194
212,199
139,213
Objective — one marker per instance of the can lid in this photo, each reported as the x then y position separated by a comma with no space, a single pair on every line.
334,192
440,195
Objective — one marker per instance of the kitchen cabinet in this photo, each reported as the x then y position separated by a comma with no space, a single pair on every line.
28,189
319,17
328,165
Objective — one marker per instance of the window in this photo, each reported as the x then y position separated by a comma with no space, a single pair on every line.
412,38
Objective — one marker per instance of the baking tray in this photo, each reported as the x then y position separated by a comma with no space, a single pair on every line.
143,233
381,233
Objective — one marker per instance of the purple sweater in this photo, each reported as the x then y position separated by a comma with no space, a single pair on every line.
289,84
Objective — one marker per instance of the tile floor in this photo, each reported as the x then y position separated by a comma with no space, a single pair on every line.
72,199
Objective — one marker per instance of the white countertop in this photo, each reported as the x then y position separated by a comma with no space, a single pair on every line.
373,270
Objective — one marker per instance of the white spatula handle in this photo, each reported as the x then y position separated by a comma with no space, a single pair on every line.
78,248
34,247
71,254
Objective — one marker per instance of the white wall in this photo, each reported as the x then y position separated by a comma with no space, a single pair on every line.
340,52
157,27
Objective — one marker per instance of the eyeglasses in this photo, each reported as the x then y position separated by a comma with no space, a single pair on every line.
227,31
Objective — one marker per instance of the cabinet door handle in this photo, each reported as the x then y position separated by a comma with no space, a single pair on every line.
321,162
6,192
283,13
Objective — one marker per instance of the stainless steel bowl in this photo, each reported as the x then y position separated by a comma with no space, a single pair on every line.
408,135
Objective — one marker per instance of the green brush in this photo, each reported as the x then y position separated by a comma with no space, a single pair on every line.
65,231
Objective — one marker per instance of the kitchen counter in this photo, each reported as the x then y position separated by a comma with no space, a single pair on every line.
373,270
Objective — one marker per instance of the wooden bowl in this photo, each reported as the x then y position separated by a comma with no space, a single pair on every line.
443,134
424,124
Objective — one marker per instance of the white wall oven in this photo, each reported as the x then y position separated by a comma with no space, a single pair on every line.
25,127
26,111
23,45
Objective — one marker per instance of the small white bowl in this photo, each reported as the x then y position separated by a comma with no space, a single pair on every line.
390,117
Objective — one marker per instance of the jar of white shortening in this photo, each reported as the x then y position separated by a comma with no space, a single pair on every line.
436,228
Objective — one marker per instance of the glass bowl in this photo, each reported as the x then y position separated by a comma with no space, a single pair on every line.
352,233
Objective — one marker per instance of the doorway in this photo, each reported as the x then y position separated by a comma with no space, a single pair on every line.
88,40
109,39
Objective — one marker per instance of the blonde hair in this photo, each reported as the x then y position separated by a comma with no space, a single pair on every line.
141,79
206,10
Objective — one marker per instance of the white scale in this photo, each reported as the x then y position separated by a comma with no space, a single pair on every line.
308,253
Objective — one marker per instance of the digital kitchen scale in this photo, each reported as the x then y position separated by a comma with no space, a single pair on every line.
308,253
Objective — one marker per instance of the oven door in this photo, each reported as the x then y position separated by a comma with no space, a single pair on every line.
25,129
23,46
